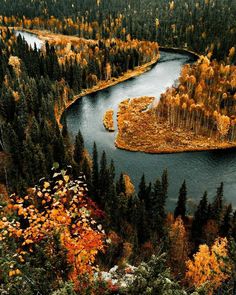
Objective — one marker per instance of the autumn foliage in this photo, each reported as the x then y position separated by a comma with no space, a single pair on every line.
204,100
56,207
210,265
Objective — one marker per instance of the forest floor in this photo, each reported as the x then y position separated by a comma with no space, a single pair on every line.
139,129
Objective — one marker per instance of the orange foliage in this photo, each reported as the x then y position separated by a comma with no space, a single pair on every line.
209,265
204,100
58,207
178,252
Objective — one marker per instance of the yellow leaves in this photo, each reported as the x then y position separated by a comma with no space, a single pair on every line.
231,52
46,185
178,242
21,211
27,242
21,259
204,35
11,273
66,178
40,194
14,272
209,265
67,214
172,5
157,23
15,62
60,182
223,124
18,232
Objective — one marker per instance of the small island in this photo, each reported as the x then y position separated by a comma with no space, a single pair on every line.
198,114
141,129
108,120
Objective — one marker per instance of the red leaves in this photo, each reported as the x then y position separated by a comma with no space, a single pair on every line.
58,207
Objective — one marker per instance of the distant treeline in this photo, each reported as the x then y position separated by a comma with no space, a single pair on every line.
203,26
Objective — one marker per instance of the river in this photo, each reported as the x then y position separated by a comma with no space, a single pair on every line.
201,170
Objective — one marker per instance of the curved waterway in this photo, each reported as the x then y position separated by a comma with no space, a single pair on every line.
201,170
31,39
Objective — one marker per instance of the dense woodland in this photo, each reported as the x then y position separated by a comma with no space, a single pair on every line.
68,224
204,100
203,26
36,85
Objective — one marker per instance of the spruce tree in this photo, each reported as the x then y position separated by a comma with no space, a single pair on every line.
95,173
180,209
120,185
200,219
156,210
217,205
234,225
79,149
164,183
103,178
142,188
226,226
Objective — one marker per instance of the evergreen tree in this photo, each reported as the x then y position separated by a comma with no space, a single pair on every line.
79,149
120,185
226,226
142,189
217,205
164,183
95,173
156,210
180,209
234,225
200,218
103,179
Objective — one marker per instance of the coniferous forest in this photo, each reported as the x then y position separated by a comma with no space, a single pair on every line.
70,222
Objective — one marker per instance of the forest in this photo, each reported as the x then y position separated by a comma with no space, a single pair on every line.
68,223
204,101
203,26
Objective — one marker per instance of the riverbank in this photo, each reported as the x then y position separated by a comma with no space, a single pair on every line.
45,35
101,85
193,54
139,130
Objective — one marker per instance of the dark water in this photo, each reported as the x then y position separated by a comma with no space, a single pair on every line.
202,170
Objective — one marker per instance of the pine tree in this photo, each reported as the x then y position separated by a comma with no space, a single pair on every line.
234,226
142,189
156,210
103,178
120,185
180,209
164,183
79,149
112,173
200,218
95,173
143,233
226,226
217,205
